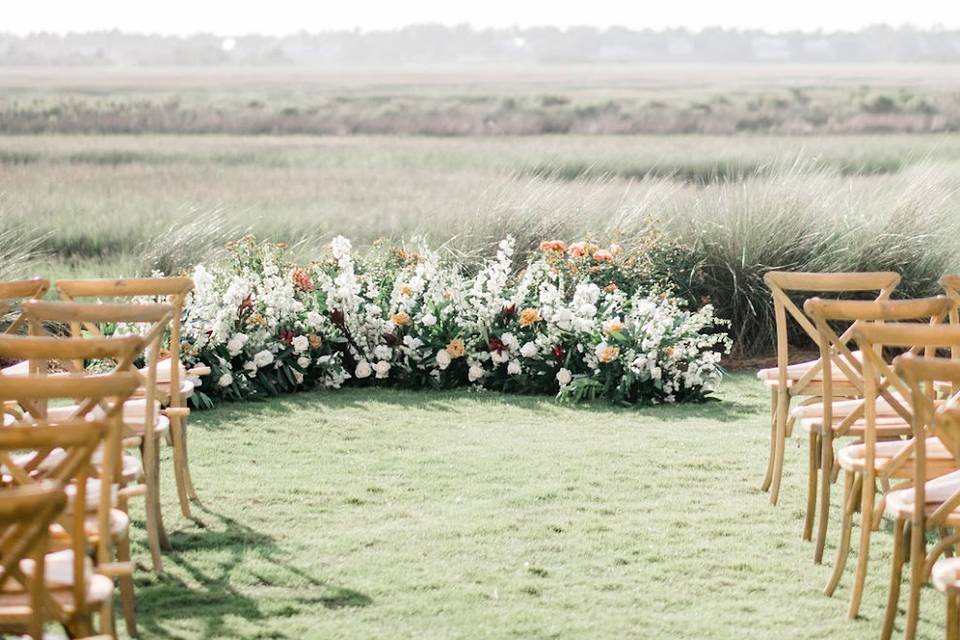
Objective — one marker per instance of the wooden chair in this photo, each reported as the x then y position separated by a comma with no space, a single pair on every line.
26,514
802,381
939,494
172,383
144,422
64,450
32,394
832,419
18,290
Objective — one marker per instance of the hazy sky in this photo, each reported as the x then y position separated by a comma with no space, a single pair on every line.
234,17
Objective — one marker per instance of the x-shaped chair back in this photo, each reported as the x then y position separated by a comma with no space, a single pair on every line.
14,291
781,283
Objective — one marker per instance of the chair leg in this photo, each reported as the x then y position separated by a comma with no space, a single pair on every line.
866,517
896,575
768,476
108,624
156,536
813,456
918,554
128,597
180,465
826,474
846,528
953,615
783,407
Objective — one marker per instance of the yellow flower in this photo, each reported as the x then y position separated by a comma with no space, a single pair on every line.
529,316
315,340
401,319
608,354
456,348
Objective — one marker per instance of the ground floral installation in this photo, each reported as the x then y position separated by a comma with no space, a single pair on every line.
574,322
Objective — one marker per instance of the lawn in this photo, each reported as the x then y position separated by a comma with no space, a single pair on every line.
389,514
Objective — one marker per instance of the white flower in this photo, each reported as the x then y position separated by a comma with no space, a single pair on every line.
235,344
510,341
412,343
225,380
382,368
262,358
340,247
475,373
499,357
362,370
383,352
314,319
303,362
514,368
443,359
301,344
298,377
529,349
564,377
428,320
563,318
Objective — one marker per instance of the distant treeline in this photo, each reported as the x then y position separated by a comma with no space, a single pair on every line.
428,44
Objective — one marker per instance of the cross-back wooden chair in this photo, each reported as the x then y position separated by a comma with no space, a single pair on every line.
171,382
802,381
17,290
938,495
26,514
64,449
143,420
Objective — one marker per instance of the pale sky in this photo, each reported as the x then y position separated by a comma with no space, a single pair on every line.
278,17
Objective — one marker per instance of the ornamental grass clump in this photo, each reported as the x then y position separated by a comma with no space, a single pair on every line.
573,323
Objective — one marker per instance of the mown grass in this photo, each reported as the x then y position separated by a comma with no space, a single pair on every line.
362,514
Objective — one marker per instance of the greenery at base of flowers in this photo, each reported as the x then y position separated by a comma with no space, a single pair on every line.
578,321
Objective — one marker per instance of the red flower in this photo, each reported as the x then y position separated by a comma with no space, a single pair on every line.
302,279
558,352
391,339
496,344
336,316
247,302
610,288
287,336
509,310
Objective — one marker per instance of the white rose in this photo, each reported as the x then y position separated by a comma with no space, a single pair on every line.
499,357
382,368
300,344
303,361
235,344
510,341
428,320
383,352
262,358
475,373
443,359
564,377
528,350
363,369
225,380
513,368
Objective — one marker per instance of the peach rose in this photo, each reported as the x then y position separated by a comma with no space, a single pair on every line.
529,316
456,348
602,255
401,319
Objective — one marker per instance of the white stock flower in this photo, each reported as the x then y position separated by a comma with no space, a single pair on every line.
564,377
262,358
236,342
529,349
340,247
443,359
362,370
382,367
514,368
412,343
383,352
428,320
225,380
301,344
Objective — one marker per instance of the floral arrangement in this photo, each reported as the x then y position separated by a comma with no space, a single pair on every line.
573,322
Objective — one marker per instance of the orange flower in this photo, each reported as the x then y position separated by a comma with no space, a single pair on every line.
613,327
456,348
553,245
302,279
615,249
610,288
315,340
407,291
577,249
401,319
529,316
608,354
602,255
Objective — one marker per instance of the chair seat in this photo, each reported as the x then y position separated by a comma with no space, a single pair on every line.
852,457
119,528
133,415
797,371
99,590
887,426
900,503
946,574
57,570
841,408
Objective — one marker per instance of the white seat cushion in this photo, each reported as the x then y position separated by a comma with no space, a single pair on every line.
797,371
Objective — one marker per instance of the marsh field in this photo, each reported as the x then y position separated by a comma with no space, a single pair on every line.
738,169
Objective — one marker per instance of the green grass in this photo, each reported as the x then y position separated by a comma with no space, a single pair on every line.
387,514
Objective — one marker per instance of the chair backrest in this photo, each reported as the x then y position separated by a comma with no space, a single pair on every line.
883,379
26,514
781,283
16,290
172,290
